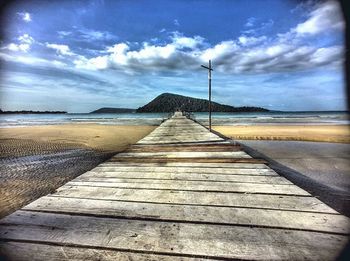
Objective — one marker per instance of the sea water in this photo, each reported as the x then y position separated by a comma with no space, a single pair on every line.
218,118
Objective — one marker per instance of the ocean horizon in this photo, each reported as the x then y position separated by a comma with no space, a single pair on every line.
218,118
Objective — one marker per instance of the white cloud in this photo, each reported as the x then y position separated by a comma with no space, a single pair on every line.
118,48
31,60
326,54
250,40
100,62
326,16
24,43
63,34
240,56
250,22
25,16
181,41
255,29
18,47
149,52
219,51
93,35
176,22
25,38
148,56
60,48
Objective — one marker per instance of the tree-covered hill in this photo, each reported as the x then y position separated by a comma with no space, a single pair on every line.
168,102
113,110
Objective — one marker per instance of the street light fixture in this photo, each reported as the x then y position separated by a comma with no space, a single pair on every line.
209,68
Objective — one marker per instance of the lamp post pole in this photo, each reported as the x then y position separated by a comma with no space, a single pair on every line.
209,68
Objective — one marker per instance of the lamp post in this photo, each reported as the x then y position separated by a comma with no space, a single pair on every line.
209,68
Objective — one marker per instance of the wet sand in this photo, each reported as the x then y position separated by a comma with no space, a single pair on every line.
322,168
327,163
314,157
36,160
322,133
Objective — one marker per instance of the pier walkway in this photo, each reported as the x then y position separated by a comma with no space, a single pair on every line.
181,193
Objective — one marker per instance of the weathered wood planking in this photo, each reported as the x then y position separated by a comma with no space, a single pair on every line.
262,201
171,237
284,189
39,251
181,193
197,214
187,159
190,148
181,154
181,165
152,169
270,179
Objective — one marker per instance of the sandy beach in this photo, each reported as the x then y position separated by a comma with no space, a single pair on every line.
38,159
322,133
32,140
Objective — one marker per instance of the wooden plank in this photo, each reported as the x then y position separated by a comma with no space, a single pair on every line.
203,166
197,214
41,251
179,129
189,143
190,148
262,201
188,159
182,154
185,126
94,176
180,137
183,149
284,189
166,237
191,130
227,145
169,141
183,142
190,171
180,133
183,137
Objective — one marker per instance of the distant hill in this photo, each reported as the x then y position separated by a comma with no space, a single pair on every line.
114,110
31,112
168,102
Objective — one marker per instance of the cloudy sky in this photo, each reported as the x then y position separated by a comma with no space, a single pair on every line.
82,55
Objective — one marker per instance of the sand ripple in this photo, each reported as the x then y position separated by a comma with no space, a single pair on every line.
24,179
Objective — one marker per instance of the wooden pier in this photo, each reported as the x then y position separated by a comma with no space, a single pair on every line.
181,193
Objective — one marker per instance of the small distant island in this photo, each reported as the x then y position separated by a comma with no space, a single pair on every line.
165,102
169,102
114,110
31,112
